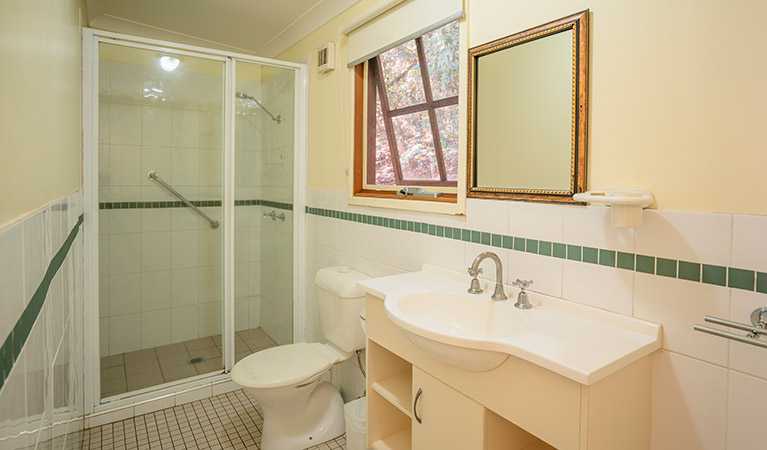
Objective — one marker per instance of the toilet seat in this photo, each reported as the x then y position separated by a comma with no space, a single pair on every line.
284,365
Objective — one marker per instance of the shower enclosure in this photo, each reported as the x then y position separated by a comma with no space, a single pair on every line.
191,157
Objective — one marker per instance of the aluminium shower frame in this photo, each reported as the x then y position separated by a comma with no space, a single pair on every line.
93,404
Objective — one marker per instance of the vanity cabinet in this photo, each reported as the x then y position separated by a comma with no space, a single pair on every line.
449,420
515,406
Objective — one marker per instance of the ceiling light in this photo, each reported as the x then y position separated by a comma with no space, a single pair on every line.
169,63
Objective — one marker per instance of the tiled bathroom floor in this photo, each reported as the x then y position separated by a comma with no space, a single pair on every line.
153,366
227,421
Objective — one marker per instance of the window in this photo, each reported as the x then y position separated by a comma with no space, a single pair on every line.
412,113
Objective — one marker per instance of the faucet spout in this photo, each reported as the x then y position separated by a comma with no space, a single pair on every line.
474,270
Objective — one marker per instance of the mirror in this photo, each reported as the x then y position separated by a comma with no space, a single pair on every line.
527,113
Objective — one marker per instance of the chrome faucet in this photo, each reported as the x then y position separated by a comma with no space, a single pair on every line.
474,271
522,301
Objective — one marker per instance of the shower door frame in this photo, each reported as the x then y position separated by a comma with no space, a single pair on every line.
93,403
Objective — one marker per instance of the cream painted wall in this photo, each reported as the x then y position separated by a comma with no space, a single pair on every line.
40,151
676,96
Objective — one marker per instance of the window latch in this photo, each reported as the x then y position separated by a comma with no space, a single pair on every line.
417,192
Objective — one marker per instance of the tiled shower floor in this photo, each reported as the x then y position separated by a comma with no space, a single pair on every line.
154,366
226,421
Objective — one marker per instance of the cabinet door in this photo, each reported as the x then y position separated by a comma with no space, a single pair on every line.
449,419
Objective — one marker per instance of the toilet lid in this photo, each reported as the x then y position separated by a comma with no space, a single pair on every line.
283,365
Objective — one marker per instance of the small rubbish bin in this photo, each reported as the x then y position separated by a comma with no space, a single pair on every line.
356,415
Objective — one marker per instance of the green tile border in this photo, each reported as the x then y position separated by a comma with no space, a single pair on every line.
14,342
197,203
731,277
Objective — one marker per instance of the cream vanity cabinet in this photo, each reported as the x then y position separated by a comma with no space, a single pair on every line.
516,406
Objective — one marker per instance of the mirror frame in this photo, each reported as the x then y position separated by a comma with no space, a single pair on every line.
578,22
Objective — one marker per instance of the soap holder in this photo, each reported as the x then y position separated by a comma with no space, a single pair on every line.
627,204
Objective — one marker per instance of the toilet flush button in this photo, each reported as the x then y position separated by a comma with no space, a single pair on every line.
343,269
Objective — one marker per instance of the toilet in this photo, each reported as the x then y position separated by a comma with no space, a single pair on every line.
299,410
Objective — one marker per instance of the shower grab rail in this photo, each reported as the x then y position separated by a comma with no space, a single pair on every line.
757,328
152,175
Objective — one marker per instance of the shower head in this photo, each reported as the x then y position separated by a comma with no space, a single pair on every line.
244,96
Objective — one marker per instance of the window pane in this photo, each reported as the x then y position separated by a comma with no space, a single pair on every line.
416,146
447,120
384,168
402,76
441,49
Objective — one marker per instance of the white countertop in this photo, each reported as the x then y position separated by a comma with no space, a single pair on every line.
580,342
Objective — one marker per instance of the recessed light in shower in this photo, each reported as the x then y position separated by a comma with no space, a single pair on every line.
169,63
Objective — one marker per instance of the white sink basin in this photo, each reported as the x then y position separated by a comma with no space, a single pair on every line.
453,326
475,333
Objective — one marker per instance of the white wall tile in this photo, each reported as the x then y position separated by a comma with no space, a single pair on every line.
124,253
155,220
745,427
124,333
156,159
413,250
125,83
447,253
155,290
210,321
599,286
544,271
592,226
183,323
155,251
124,294
689,403
686,236
536,221
184,249
124,124
124,165
748,243
185,163
743,357
677,305
156,126
124,221
154,328
11,278
186,128
491,216
184,289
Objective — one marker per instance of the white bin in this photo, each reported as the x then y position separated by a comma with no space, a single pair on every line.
356,415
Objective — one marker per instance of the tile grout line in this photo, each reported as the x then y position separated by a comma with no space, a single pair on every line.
724,276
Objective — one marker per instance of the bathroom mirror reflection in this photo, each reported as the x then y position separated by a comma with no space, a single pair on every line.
527,113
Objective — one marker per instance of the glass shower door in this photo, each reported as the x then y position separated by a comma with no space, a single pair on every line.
161,146
263,237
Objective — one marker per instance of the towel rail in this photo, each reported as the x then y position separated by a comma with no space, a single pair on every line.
152,175
755,330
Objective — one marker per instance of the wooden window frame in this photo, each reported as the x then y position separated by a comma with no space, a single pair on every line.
376,88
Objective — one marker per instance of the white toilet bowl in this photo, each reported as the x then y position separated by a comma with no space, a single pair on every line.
299,410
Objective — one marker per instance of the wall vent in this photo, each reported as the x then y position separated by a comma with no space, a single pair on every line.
326,58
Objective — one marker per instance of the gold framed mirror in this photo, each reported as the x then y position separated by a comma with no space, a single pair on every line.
528,110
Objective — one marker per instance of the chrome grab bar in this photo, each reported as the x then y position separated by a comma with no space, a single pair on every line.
755,330
152,175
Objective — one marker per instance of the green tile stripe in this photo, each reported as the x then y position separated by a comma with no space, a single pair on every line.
197,203
14,343
732,277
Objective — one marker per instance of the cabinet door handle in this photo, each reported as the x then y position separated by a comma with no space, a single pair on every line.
415,404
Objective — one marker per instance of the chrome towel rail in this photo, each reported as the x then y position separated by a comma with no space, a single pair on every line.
152,175
757,328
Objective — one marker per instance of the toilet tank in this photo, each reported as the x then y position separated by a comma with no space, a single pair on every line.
340,302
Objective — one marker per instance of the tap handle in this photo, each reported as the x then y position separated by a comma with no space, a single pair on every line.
474,272
522,284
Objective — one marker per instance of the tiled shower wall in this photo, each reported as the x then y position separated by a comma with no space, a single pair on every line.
674,270
277,186
41,320
161,265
